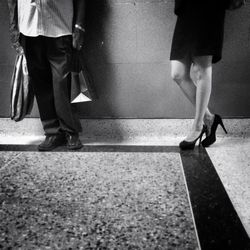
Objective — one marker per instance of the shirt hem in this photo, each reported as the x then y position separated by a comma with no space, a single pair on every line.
46,35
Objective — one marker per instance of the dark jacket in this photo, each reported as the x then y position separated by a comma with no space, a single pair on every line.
14,33
179,6
79,12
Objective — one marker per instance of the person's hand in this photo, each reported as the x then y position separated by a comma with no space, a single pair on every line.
15,38
78,39
18,48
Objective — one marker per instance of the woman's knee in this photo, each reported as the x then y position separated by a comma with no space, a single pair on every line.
201,68
180,71
178,76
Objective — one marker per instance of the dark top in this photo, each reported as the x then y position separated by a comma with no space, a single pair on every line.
181,5
199,29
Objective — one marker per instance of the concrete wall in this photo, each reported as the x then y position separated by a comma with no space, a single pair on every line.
127,52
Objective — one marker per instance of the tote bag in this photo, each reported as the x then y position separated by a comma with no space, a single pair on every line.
22,96
82,89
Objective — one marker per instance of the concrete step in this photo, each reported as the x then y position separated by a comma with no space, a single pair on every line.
123,128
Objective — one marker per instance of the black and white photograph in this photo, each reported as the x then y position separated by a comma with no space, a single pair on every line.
125,124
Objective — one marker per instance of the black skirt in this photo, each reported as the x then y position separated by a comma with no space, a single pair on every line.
198,33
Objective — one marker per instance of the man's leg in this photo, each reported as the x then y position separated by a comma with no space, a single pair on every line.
59,54
41,79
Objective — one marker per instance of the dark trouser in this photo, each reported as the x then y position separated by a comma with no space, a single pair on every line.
48,61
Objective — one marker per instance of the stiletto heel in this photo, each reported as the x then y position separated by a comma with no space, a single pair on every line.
186,145
222,125
201,138
209,140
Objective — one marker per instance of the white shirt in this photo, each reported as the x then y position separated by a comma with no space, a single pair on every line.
50,18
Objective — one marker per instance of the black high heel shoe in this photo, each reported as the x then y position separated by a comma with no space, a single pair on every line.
188,145
209,140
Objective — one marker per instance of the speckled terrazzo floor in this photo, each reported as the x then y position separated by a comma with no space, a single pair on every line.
94,200
7,157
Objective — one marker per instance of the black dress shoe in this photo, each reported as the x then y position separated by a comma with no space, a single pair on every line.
73,141
209,140
189,145
51,142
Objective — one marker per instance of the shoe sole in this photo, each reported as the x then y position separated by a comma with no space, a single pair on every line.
46,149
74,147
42,149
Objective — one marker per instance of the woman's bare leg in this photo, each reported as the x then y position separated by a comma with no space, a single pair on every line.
180,71
201,74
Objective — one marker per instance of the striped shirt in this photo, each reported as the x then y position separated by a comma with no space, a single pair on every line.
50,18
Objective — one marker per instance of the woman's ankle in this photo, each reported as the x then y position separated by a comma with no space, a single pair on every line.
197,126
208,117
